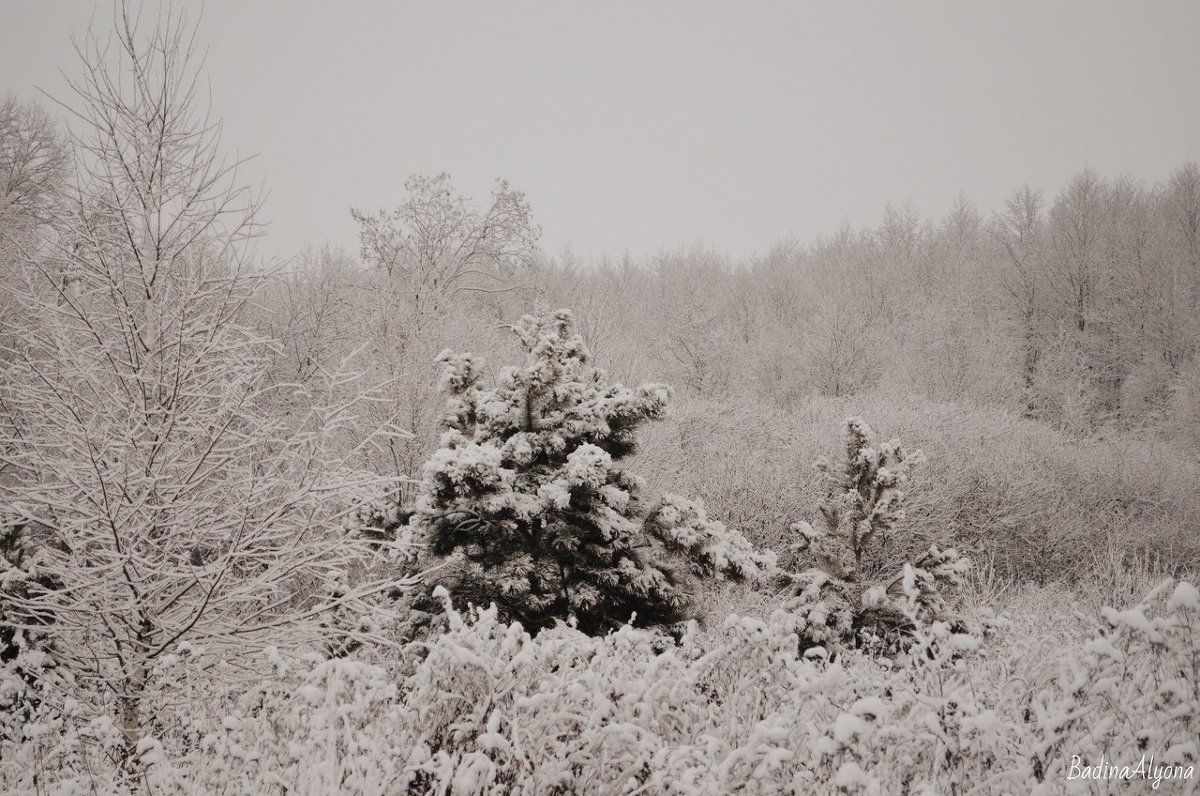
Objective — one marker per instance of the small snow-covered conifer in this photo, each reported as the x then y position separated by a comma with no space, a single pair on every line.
528,493
842,596
27,652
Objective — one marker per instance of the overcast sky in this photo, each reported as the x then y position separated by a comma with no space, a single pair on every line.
638,126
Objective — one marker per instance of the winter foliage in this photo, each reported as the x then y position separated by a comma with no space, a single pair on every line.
258,536
27,651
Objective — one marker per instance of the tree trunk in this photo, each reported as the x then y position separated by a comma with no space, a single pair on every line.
131,712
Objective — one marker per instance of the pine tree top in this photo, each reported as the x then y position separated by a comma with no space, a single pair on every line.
552,403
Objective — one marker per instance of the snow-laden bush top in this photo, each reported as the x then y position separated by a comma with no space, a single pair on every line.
487,709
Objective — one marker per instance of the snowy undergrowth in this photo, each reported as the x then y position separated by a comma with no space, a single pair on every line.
486,709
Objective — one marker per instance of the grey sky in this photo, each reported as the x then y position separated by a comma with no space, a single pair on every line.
642,126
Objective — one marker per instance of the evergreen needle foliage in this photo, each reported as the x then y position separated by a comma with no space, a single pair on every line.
843,598
527,490
27,651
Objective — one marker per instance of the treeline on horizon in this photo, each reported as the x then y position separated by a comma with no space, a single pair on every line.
1045,352
1079,308
1045,348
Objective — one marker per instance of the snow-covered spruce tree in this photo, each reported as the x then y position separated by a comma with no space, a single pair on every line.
529,500
847,595
141,445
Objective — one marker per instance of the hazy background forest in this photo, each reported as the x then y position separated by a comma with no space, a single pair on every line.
229,482
1043,353
1045,349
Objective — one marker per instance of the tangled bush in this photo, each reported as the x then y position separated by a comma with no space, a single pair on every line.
843,599
488,708
1129,696
492,710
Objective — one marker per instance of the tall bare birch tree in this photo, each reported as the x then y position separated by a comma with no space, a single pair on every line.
167,501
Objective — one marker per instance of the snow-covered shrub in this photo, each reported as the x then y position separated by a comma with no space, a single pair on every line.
1131,693
999,486
528,499
400,612
846,596
382,522
488,708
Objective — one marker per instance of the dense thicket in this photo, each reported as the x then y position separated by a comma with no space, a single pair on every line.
485,709
1077,308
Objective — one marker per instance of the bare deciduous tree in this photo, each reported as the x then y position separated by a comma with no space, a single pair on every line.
1076,223
169,502
439,244
33,160
1020,229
